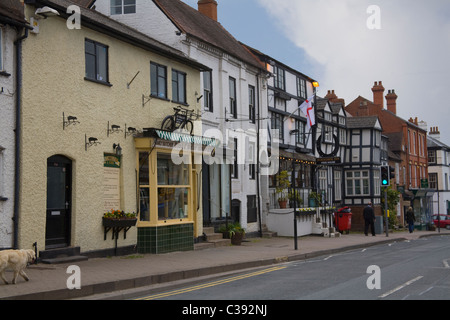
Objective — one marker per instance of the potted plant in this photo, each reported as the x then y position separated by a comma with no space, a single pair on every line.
283,184
233,231
315,199
236,233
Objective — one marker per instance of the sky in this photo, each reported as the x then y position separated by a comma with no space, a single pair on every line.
347,45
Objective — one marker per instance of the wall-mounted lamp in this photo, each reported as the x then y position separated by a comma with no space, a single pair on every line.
71,120
90,142
114,129
130,131
315,84
118,149
46,12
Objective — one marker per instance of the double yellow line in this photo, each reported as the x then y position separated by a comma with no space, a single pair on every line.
210,284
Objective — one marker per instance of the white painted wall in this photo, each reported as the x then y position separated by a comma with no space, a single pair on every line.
7,126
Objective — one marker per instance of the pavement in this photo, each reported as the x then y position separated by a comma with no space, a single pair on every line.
112,274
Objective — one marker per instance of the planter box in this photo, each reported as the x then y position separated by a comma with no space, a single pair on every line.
123,223
117,225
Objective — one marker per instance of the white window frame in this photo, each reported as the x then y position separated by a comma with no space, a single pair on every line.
357,183
337,185
122,6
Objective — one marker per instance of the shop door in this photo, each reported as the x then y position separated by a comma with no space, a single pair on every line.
59,196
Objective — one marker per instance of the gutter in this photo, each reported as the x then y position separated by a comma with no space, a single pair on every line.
18,133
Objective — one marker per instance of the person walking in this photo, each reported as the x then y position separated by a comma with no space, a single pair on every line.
410,219
369,219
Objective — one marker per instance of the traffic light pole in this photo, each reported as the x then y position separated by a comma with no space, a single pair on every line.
386,212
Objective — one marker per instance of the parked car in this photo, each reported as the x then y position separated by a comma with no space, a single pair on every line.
444,221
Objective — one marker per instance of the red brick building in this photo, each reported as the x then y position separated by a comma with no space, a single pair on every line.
407,142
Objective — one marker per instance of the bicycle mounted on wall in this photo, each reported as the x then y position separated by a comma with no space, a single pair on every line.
182,119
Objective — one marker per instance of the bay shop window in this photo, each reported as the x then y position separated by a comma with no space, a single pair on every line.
168,190
165,191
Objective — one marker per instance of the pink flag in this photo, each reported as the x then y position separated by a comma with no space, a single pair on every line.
308,111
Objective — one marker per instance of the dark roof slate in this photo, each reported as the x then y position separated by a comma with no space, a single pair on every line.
195,24
361,122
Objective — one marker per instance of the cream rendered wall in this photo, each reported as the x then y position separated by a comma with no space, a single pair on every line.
7,136
150,20
53,83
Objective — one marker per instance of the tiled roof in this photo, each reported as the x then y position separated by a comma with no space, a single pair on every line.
12,9
195,24
83,3
362,122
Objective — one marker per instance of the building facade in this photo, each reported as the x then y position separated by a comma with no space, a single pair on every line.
93,99
411,148
439,171
231,96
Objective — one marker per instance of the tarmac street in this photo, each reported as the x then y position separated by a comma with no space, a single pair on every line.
103,275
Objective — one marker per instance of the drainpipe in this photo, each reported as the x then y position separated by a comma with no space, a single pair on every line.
18,44
257,157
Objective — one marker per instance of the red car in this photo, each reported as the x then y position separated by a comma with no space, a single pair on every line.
444,221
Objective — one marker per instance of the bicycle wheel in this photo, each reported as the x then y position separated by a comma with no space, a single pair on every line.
189,126
168,124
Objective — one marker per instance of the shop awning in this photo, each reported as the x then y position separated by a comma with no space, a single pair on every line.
297,156
180,137
423,193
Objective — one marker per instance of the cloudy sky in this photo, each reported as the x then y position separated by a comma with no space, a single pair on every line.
347,45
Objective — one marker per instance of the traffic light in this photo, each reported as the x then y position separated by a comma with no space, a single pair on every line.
392,172
385,176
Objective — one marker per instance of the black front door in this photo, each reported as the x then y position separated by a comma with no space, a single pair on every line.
59,197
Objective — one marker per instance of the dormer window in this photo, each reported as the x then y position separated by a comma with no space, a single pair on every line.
123,6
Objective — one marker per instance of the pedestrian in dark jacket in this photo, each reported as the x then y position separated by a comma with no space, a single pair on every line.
410,218
369,219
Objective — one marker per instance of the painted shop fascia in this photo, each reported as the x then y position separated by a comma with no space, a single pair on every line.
87,95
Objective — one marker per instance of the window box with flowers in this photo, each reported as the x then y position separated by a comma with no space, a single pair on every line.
118,220
307,211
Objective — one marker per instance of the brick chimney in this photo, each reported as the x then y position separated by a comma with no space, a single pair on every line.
333,98
208,8
331,95
378,92
391,101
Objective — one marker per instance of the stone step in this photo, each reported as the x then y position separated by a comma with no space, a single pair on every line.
220,242
269,234
60,260
213,236
61,255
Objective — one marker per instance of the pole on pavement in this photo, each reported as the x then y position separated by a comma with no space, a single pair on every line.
295,205
386,212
